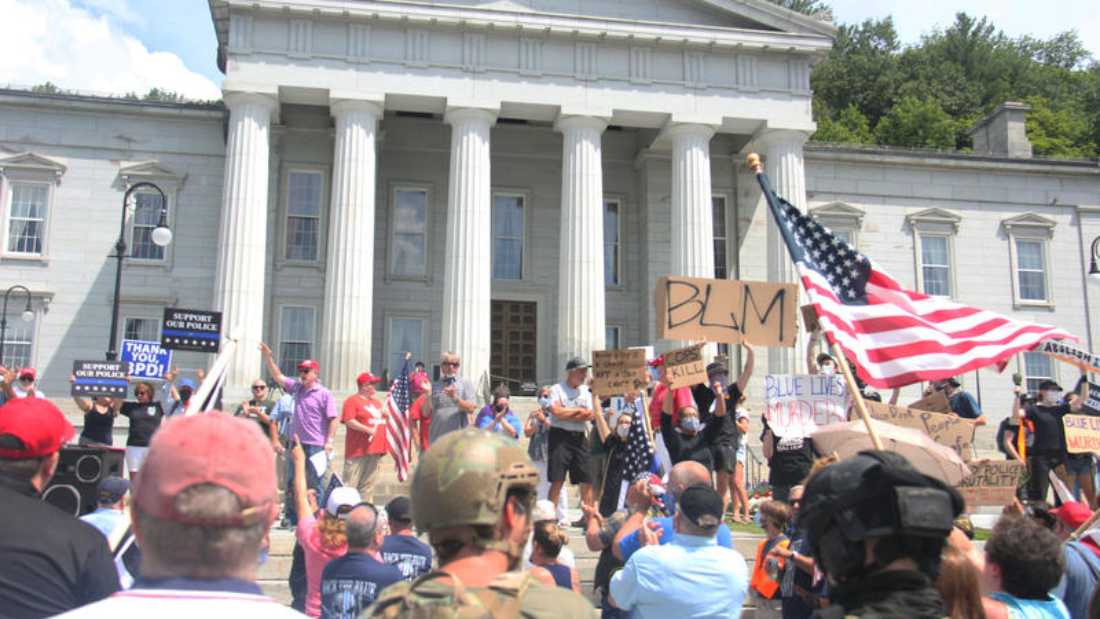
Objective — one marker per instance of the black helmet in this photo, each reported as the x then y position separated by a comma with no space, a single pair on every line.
876,494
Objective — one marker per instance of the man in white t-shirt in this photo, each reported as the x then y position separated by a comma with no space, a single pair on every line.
570,409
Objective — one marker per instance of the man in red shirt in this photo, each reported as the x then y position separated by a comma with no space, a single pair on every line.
365,443
420,434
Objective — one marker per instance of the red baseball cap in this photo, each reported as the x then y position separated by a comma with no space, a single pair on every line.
1074,514
216,449
32,428
658,362
367,377
28,372
309,364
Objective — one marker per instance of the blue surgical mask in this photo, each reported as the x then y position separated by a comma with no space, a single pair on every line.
691,424
544,402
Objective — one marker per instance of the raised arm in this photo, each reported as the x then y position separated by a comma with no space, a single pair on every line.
811,361
81,403
1082,393
272,367
301,499
750,363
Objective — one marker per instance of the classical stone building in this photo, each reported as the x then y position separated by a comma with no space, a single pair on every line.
502,179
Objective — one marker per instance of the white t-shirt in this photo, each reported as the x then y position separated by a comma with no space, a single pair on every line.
570,397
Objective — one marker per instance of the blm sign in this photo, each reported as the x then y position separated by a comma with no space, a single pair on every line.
196,330
100,378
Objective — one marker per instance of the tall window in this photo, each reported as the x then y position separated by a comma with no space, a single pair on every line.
297,327
18,338
303,216
1031,270
611,247
721,245
935,258
408,258
145,219
141,329
1037,368
27,222
406,335
508,237
611,338
844,235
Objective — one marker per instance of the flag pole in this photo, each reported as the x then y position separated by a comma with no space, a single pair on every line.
758,169
194,405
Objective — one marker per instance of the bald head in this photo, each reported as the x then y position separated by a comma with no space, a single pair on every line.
363,529
687,473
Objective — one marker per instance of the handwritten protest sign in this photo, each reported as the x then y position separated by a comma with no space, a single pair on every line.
1069,354
796,405
100,378
809,319
726,310
1082,433
935,403
685,366
185,329
948,430
147,359
992,482
615,372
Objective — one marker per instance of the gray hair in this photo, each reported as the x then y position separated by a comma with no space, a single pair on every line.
202,552
363,521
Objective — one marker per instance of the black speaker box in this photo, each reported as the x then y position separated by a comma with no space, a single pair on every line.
79,469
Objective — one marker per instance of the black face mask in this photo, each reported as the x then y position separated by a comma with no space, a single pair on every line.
185,395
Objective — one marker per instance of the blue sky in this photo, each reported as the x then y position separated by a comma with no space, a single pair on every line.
119,46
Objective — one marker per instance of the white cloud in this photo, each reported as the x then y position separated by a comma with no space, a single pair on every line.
54,41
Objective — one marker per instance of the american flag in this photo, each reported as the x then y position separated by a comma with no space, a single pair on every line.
639,447
896,337
397,422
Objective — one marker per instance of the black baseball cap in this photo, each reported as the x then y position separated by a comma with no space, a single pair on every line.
398,509
701,505
1049,384
716,367
111,489
576,363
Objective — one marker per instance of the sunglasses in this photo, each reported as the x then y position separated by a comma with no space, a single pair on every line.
304,371
453,364
258,387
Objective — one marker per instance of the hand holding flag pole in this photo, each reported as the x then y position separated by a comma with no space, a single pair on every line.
758,169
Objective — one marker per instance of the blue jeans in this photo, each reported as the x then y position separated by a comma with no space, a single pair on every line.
607,611
312,481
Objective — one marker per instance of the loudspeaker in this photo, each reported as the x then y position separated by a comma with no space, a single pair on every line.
79,469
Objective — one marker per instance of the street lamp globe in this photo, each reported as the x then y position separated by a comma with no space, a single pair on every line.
1094,276
28,315
162,236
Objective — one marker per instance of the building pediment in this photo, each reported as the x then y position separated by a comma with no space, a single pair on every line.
1029,221
151,172
838,210
32,163
934,217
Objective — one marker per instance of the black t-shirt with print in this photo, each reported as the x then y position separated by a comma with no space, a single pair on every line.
144,421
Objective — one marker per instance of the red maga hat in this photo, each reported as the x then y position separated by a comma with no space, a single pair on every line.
309,364
216,449
367,377
32,428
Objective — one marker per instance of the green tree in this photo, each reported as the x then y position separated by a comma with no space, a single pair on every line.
919,123
808,7
860,70
162,96
850,127
1058,133
47,88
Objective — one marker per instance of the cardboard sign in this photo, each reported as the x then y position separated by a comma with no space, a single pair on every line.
685,366
147,359
1071,355
1082,433
726,310
935,403
196,330
100,378
615,372
992,482
954,432
809,319
796,405
1092,403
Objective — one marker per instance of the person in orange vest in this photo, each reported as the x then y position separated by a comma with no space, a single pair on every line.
767,569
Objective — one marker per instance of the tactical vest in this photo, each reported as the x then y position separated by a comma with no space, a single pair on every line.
504,598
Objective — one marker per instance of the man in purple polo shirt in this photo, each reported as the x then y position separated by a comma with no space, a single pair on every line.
314,415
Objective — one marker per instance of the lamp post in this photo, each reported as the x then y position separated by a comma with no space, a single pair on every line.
161,236
1094,272
28,315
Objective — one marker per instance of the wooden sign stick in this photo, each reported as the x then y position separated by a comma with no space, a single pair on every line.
861,406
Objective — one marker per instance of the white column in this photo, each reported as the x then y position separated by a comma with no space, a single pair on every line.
467,271
239,282
692,216
349,272
581,314
782,150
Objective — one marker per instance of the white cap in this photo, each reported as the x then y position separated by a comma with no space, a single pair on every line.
344,496
544,510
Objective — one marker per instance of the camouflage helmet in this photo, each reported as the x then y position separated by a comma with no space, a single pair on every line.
464,478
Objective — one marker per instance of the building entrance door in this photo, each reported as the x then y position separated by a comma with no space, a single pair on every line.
513,345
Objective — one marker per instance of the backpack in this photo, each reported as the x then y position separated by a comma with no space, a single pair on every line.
502,599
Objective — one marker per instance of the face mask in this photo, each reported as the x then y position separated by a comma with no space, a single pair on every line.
185,395
623,431
722,379
1050,398
828,369
691,424
544,402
